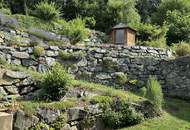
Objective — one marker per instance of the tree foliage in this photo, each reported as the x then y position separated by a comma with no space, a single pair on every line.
152,35
151,18
147,8
160,15
179,27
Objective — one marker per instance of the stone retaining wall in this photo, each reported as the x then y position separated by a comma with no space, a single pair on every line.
103,64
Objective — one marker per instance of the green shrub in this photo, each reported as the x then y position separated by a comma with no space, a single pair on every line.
101,99
130,115
88,121
133,82
183,49
90,22
75,30
38,51
39,126
47,11
121,78
112,119
159,43
152,35
60,122
56,83
154,93
6,11
71,56
121,114
110,64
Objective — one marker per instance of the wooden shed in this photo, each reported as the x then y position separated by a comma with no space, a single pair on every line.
123,35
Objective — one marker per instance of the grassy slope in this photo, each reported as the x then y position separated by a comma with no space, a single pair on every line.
175,117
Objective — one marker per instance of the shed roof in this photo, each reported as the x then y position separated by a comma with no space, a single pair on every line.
122,26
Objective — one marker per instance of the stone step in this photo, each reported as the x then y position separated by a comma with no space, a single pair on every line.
6,121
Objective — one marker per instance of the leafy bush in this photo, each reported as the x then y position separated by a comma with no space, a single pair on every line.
121,115
121,78
101,99
179,26
152,35
60,122
39,126
183,49
47,11
88,121
38,51
154,93
56,83
112,119
75,30
110,64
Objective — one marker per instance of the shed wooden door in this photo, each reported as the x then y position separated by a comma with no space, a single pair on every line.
120,36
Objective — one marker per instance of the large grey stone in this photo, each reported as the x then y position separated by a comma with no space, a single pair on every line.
2,92
54,48
10,98
52,53
29,62
16,74
103,76
50,61
68,127
8,21
44,34
26,82
48,115
20,55
6,82
42,68
11,89
82,62
23,121
76,113
16,62
6,121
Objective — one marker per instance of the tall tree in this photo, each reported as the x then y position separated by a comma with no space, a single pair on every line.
146,8
182,6
106,12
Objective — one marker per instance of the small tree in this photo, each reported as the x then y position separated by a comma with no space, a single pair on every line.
154,93
75,30
56,83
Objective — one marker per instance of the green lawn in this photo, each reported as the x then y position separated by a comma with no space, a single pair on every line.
175,117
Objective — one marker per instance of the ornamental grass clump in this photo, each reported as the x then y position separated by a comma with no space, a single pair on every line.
154,94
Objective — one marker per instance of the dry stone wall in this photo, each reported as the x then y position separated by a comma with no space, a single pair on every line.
104,63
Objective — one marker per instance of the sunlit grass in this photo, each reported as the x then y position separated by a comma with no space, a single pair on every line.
107,90
176,116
